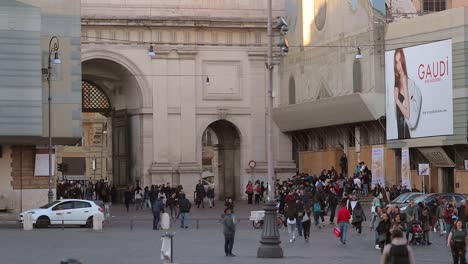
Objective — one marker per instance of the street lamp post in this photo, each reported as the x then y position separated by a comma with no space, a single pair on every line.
270,240
54,45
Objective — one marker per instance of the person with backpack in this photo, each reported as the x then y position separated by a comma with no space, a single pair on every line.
397,252
184,207
317,210
457,242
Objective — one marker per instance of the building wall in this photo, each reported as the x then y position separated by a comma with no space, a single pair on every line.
328,72
174,105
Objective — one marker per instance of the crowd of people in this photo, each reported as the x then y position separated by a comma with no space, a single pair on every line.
307,201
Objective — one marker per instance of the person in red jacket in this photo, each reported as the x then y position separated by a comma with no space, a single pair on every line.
343,222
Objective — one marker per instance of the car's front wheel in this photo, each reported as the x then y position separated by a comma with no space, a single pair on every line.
89,222
42,222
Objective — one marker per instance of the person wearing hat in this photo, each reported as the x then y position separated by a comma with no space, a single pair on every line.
229,231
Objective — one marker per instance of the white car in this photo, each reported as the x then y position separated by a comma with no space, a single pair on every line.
66,212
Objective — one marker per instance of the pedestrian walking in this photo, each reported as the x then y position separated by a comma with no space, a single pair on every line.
383,229
249,191
358,218
146,198
184,207
200,195
374,223
172,203
229,231
397,252
457,242
128,197
257,192
292,223
306,223
343,220
139,199
332,203
158,208
210,194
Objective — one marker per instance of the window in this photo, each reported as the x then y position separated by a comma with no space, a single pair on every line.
78,205
434,5
357,76
63,206
292,90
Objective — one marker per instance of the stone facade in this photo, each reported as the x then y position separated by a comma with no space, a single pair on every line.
209,66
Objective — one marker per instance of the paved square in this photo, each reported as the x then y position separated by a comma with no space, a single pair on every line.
121,244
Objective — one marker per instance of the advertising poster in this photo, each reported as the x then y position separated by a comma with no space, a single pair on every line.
405,168
419,91
378,168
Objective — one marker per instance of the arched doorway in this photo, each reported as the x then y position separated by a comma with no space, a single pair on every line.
121,129
221,157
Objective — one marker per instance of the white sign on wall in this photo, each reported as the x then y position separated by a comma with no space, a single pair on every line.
419,91
41,167
378,166
405,168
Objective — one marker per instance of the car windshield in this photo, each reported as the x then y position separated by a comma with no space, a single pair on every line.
401,199
420,199
49,205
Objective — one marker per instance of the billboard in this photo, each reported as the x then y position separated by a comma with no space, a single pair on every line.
419,91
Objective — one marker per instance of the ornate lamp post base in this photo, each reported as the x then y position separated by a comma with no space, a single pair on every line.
270,241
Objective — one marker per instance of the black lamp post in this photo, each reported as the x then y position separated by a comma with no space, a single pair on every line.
270,241
54,45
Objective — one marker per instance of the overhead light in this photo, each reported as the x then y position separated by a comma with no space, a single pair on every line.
282,24
151,52
207,80
359,54
57,58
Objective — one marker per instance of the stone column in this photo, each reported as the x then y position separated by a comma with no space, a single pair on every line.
161,169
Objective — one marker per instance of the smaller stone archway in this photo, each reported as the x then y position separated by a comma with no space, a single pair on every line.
223,139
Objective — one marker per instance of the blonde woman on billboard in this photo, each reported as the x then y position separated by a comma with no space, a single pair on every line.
407,98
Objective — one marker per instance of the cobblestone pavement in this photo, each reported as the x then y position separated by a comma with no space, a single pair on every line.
124,243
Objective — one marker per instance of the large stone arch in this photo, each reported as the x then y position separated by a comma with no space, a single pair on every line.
227,160
138,74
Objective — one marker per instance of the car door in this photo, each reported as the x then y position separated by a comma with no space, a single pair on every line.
82,211
61,212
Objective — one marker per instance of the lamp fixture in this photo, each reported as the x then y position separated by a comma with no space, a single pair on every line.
151,52
57,58
359,54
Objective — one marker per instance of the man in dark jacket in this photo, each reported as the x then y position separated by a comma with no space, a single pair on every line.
158,208
229,231
184,207
332,203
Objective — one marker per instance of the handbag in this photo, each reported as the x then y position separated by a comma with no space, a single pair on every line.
305,218
292,222
337,231
372,209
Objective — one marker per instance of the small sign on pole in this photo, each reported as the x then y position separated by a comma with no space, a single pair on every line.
423,169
